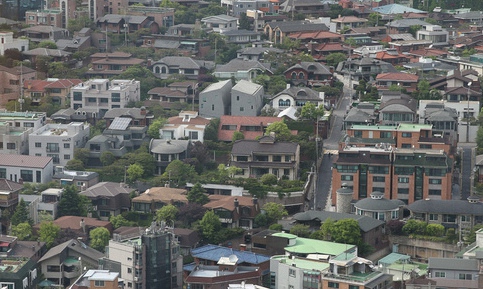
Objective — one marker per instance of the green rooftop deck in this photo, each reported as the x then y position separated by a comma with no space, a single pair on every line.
303,263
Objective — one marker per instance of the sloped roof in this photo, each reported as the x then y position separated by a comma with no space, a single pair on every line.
365,223
397,76
243,147
107,189
300,93
222,18
246,87
313,67
401,23
72,222
9,186
242,65
395,9
46,52
349,19
370,204
453,264
228,202
357,115
118,112
263,121
162,146
457,207
179,61
74,245
162,194
214,253
7,160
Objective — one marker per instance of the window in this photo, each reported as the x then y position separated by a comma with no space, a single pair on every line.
449,218
67,145
77,95
193,135
358,133
115,97
440,274
95,147
7,285
385,134
407,134
434,192
242,108
38,145
333,285
212,107
465,218
463,276
3,173
406,145
402,191
52,147
378,179
52,268
55,158
277,159
378,170
99,283
28,124
433,217
346,177
242,158
291,272
395,214
287,159
27,175
10,146
66,157
435,181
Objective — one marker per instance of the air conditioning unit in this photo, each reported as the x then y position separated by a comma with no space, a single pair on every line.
136,279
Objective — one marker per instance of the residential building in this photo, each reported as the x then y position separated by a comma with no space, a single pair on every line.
174,93
296,272
215,99
15,128
246,98
57,89
434,33
98,279
79,226
116,23
18,263
251,127
41,33
183,45
58,141
402,268
278,30
380,208
8,42
236,7
362,114
81,179
397,108
149,260
64,263
99,8
11,82
48,17
296,97
242,69
216,189
187,125
220,23
104,94
363,68
348,21
188,240
256,53
31,169
163,16
9,199
165,151
242,36
407,81
391,56
107,65
454,273
155,198
309,74
316,37
400,26
234,211
56,55
49,202
217,266
186,66
108,199
258,157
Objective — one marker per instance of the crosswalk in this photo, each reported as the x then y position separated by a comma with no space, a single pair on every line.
332,152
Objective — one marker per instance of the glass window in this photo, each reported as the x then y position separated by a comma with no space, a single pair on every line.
435,192
115,97
440,274
11,146
27,175
346,177
407,134
38,145
435,181
99,283
67,145
333,285
378,179
77,95
3,173
433,217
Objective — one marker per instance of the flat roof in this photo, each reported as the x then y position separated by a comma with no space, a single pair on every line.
303,263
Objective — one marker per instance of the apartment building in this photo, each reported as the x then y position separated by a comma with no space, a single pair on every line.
49,17
15,128
104,94
10,82
98,279
58,141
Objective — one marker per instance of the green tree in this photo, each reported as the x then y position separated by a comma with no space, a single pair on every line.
280,129
167,213
211,130
21,214
82,154
423,89
414,227
120,221
148,82
335,58
347,231
274,211
237,135
44,216
311,111
179,173
134,172
107,158
269,179
75,165
99,238
413,29
436,230
47,44
210,226
72,204
76,24
22,231
373,19
479,137
243,21
197,195
155,126
48,233
326,229
471,238
300,230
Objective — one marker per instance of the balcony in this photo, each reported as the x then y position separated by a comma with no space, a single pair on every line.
52,150
8,203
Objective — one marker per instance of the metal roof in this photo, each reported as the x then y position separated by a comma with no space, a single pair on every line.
120,123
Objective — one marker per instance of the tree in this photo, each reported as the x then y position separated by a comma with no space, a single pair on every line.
190,213
22,231
414,227
244,21
71,203
269,179
47,44
167,213
139,72
436,230
82,154
479,137
347,231
99,238
211,130
197,195
200,151
179,173
48,232
134,172
423,89
280,129
75,165
274,211
21,214
155,126
300,230
326,229
413,29
210,226
311,111
237,135
107,158
120,221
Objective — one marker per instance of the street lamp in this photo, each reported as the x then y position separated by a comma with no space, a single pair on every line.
126,26
468,114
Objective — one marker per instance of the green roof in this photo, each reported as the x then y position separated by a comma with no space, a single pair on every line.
392,258
414,127
311,246
285,235
303,263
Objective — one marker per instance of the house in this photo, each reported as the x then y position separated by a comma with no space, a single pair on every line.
251,127
165,151
15,128
407,81
186,66
309,74
48,204
54,54
256,53
454,272
155,198
363,114
10,82
8,200
278,30
306,7
57,89
402,268
21,168
246,98
215,99
258,157
162,16
216,189
188,240
80,226
435,33
219,266
8,42
107,65
104,94
234,211
242,36
48,17
187,125
363,68
81,179
133,257
41,33
97,279
116,23
58,141
345,22
220,23
316,37
397,108
392,56
140,117
237,7
403,25
108,199
296,97
64,263
379,208
290,271
78,43
183,45
242,69
18,265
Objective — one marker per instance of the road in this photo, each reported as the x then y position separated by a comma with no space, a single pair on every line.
324,177
466,169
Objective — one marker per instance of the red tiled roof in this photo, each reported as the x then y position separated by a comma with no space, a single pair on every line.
400,76
24,161
314,35
329,47
428,52
228,202
73,222
227,135
63,83
381,55
349,19
35,84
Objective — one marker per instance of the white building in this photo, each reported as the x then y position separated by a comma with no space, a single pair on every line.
434,33
104,94
58,141
8,42
31,169
187,125
15,128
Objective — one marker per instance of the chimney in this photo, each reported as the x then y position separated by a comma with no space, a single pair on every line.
243,247
236,205
83,225
143,110
255,203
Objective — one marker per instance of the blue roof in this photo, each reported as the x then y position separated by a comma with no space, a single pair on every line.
214,253
395,9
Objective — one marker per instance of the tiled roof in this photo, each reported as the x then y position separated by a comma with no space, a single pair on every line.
24,161
458,207
395,9
73,222
47,52
228,202
179,61
227,135
163,146
116,54
313,67
63,83
17,70
328,47
349,19
166,91
398,76
242,65
214,253
7,185
133,112
162,194
107,189
35,84
315,35
244,147
74,245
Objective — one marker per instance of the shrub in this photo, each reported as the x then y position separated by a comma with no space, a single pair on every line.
414,227
435,230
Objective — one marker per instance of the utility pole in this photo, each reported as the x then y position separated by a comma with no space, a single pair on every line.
468,114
